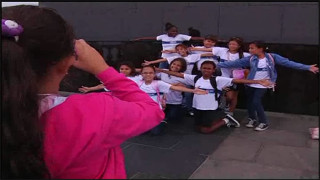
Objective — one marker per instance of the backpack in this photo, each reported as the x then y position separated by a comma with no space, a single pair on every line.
155,86
213,83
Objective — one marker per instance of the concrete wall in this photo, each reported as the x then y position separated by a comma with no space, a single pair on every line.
274,22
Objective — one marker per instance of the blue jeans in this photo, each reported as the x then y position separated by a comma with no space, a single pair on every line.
187,100
173,112
164,65
254,103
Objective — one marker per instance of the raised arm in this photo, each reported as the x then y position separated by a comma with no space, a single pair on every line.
295,65
197,38
184,89
85,89
200,49
181,75
263,82
206,55
145,38
153,62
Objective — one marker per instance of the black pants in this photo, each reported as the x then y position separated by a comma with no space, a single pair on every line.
206,117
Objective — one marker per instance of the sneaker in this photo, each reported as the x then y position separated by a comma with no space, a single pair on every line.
251,123
231,121
230,113
261,127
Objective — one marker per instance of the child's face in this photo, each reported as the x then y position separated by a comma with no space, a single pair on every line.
175,66
233,46
253,49
172,32
207,70
182,51
148,73
208,43
124,69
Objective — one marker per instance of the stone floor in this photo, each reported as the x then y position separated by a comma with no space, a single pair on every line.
285,150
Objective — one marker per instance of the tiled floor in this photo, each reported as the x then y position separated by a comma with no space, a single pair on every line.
285,150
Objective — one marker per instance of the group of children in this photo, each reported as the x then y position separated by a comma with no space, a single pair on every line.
45,135
197,67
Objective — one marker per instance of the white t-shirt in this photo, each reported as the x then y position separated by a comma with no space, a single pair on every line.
207,101
150,89
173,97
262,73
191,60
202,59
171,42
225,54
133,78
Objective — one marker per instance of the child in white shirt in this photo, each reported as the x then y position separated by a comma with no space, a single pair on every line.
169,42
208,117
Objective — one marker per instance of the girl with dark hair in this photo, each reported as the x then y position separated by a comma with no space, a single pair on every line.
169,42
262,66
45,135
157,88
173,108
126,67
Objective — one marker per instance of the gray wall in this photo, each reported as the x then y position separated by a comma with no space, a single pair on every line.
274,22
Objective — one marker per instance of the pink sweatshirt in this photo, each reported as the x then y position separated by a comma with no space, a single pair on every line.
83,134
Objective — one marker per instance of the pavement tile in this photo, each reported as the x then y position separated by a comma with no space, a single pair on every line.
234,148
163,141
147,176
273,136
204,144
296,123
233,169
160,162
290,157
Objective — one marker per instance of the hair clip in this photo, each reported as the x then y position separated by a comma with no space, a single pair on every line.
11,29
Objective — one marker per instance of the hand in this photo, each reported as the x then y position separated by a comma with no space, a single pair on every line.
314,69
89,59
146,63
84,89
192,48
266,83
200,91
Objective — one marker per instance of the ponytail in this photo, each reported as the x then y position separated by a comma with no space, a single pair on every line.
22,155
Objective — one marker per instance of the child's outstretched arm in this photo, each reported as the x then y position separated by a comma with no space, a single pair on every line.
184,89
295,65
197,38
169,51
200,49
181,75
206,55
145,38
263,82
146,63
85,89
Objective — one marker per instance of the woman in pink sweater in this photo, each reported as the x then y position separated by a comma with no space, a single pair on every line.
46,135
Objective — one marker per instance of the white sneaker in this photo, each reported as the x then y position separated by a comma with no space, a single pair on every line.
251,123
261,127
232,121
